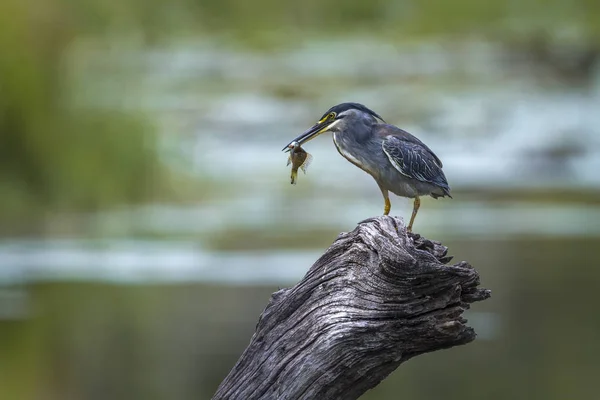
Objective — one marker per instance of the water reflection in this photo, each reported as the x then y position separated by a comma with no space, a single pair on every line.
254,249
182,339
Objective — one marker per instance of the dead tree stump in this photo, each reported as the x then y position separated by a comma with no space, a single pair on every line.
377,297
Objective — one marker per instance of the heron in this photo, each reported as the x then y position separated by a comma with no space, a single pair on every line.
398,161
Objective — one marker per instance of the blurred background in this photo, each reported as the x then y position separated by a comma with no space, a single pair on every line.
146,213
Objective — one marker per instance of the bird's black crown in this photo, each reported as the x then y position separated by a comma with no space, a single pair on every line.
340,108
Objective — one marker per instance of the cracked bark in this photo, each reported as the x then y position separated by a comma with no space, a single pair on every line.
377,297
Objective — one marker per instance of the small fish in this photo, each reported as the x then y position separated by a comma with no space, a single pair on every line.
299,159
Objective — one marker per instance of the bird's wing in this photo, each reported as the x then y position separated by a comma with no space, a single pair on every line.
414,160
384,130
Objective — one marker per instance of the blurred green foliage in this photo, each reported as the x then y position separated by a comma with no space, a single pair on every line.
278,19
277,22
53,157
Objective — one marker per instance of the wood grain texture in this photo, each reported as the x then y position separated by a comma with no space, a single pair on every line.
377,297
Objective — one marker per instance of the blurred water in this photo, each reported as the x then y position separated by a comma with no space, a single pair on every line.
137,261
181,340
227,112
499,125
177,260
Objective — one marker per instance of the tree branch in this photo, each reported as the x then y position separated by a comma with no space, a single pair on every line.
376,298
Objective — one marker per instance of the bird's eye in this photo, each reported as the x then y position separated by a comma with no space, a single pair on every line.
331,115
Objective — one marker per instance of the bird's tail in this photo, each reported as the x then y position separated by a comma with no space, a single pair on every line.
445,193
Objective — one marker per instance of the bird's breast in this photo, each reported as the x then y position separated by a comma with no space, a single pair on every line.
355,159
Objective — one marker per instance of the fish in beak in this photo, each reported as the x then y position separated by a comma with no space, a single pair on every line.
299,158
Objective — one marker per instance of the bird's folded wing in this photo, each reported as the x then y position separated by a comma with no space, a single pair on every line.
413,160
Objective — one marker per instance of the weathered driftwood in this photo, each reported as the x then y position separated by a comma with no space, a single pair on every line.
376,298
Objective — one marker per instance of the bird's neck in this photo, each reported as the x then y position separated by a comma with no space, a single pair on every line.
357,155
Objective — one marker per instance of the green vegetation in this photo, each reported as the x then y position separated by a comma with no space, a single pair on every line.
54,157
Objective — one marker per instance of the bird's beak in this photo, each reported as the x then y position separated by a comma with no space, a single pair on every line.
318,128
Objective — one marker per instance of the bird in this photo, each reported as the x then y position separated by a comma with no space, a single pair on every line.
398,161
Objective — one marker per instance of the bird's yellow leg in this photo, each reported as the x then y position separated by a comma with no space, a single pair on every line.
387,207
416,206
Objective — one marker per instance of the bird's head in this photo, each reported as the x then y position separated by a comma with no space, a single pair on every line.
334,119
